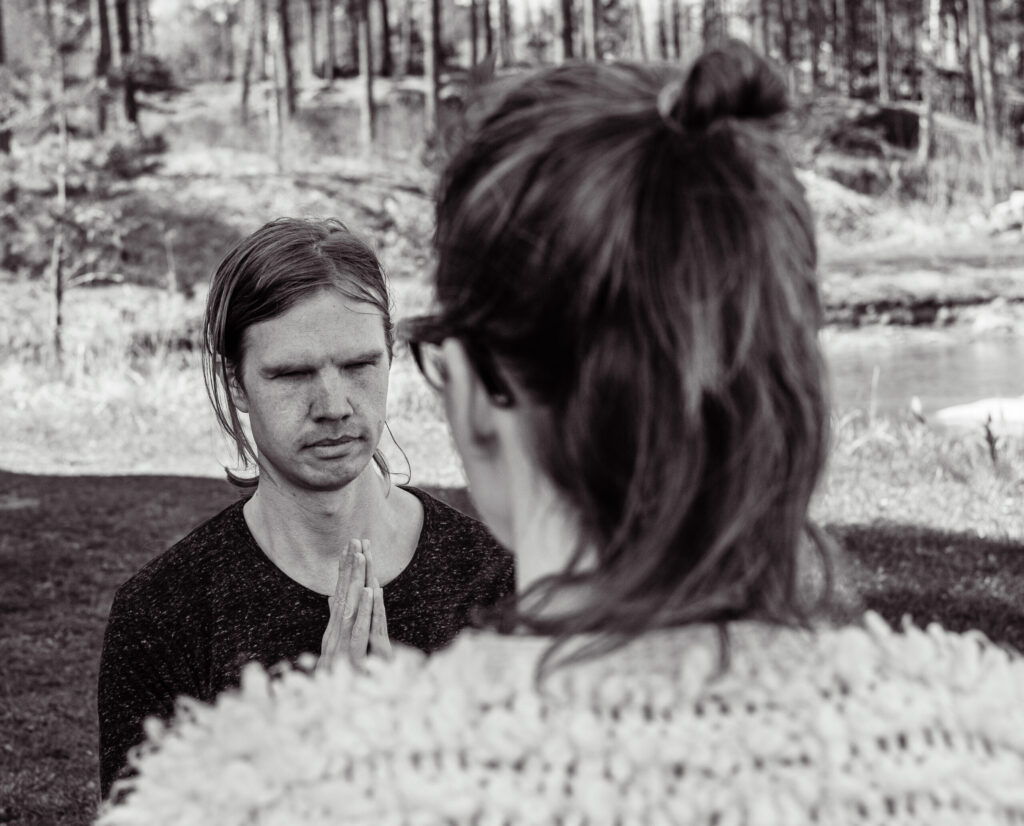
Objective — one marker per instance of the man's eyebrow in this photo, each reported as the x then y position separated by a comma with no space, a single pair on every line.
300,363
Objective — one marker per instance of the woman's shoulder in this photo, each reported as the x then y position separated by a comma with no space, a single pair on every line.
826,722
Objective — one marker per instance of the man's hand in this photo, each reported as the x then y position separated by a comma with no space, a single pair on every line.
358,626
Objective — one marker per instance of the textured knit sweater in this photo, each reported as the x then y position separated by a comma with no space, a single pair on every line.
861,725
189,621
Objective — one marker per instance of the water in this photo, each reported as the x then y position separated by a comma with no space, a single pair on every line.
941,368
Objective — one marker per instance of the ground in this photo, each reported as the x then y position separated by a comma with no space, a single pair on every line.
930,524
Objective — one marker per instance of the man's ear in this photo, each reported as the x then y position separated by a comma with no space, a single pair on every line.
236,390
470,407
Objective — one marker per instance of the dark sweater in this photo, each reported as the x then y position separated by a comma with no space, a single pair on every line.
189,621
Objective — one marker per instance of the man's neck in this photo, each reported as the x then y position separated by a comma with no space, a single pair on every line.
303,532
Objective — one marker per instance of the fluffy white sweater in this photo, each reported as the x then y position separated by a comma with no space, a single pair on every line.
860,725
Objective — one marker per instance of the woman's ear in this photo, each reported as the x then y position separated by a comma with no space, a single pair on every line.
236,390
471,412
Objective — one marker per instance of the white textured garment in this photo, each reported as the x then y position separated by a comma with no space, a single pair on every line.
861,725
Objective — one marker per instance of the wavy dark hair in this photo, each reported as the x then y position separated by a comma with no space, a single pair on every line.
267,273
632,246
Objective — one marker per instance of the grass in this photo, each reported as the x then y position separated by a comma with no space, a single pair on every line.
68,541
931,524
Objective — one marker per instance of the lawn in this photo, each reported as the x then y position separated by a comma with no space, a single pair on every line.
930,527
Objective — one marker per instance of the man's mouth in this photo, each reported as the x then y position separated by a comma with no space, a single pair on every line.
334,442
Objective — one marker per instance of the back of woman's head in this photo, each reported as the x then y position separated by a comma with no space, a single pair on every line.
634,248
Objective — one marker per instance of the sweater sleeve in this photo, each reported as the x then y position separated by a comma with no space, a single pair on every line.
142,671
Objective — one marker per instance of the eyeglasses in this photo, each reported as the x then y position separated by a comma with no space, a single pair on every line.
425,334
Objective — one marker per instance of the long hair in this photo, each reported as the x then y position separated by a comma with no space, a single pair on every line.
267,273
633,247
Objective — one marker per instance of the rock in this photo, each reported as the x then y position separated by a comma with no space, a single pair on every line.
1005,416
1016,202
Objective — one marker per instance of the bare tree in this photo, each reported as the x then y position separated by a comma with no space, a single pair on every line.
933,44
882,46
977,25
103,62
310,20
330,41
814,16
474,35
5,134
251,22
504,34
263,22
662,30
55,273
366,107
124,36
405,36
140,25
563,37
488,27
640,31
851,45
591,10
431,68
386,60
287,66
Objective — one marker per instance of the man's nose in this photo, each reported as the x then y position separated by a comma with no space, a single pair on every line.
330,399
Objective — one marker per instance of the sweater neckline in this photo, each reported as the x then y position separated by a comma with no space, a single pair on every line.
419,557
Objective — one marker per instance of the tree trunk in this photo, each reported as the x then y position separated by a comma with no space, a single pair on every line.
988,77
590,14
788,57
277,111
228,39
709,22
662,30
677,29
815,13
764,27
387,60
311,38
251,22
263,17
851,46
131,108
56,268
287,67
366,107
836,39
352,30
406,37
563,35
330,41
140,25
882,45
103,59
505,54
431,67
4,133
975,26
489,27
641,31
933,22
474,35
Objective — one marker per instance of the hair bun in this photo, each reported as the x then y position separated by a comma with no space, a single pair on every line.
729,81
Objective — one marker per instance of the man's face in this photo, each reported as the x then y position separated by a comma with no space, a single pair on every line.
314,381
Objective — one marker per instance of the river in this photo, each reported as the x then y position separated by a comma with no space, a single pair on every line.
940,367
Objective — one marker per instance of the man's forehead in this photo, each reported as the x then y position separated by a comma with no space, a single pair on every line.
324,322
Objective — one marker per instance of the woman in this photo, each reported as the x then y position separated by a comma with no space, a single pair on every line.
626,345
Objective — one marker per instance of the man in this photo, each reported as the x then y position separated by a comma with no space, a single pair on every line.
326,555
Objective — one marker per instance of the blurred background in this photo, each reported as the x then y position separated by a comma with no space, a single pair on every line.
140,139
